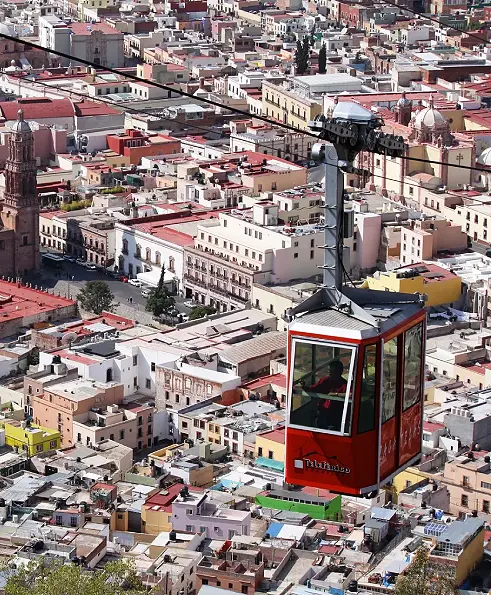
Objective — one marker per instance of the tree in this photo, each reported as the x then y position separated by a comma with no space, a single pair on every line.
160,302
116,578
322,59
423,577
95,297
201,312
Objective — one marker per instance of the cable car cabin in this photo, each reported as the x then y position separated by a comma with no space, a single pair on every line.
355,406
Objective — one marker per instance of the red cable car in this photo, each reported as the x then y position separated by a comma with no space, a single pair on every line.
355,404
355,394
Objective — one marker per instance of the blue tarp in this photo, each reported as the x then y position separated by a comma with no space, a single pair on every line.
274,529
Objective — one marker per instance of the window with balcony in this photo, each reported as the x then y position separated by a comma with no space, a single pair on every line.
157,258
148,255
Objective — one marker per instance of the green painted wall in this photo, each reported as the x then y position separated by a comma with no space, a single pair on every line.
330,511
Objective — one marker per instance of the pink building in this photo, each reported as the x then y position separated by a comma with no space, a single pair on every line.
61,403
47,142
423,240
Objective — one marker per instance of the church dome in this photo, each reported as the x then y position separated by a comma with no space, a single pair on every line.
430,117
485,157
20,125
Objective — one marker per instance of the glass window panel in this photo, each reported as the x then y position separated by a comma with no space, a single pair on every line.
321,392
366,416
389,392
413,346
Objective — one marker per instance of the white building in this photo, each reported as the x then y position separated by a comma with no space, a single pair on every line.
96,42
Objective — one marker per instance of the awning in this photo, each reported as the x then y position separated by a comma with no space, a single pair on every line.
270,464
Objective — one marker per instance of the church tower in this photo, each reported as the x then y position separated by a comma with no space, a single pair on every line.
20,208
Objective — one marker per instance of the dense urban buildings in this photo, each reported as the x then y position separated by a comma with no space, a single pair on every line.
175,166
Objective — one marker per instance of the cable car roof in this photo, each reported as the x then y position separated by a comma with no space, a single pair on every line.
333,321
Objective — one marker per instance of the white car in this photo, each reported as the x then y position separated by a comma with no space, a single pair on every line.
190,304
145,293
90,266
135,282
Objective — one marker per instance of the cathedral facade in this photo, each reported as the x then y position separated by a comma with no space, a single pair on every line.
19,214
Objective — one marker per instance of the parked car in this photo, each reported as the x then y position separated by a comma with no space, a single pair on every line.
80,261
135,282
91,266
190,304
114,274
124,279
68,258
145,293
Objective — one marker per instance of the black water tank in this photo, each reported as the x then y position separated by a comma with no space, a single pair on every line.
353,587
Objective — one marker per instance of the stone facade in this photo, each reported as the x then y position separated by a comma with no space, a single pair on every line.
19,236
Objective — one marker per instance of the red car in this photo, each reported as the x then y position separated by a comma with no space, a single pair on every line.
123,279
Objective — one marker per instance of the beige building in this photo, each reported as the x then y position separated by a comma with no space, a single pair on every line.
289,107
423,240
233,251
469,483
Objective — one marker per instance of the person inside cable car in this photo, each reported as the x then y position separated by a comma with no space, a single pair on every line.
329,409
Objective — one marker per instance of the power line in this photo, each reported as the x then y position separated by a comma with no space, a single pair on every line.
208,101
207,130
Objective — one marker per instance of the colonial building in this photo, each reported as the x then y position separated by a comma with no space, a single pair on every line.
19,216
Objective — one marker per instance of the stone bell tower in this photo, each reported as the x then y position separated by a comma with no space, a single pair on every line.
20,205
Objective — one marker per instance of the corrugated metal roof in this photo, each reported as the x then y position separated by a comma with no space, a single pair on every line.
256,347
334,318
460,531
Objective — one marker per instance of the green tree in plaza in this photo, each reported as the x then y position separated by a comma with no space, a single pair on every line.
96,297
116,578
160,302
423,577
201,312
322,59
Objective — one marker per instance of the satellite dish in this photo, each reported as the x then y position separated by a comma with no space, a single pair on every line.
69,338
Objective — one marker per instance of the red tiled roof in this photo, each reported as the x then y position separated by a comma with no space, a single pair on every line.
430,426
35,108
87,28
277,435
91,108
18,301
276,379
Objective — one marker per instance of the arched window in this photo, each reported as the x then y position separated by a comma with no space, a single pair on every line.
157,257
171,264
138,252
149,255
125,246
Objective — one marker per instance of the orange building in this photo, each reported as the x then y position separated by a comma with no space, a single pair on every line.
135,144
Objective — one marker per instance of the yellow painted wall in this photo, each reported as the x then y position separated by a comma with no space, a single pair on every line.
411,474
155,521
267,445
31,443
442,292
470,558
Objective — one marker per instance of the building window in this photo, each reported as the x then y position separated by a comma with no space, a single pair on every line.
148,383
295,255
135,360
465,478
204,581
464,500
260,452
52,444
485,506
245,589
121,434
73,521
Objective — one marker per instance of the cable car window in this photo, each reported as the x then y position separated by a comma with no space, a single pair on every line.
389,392
413,345
366,415
322,387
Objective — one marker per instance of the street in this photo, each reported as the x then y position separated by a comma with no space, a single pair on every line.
72,277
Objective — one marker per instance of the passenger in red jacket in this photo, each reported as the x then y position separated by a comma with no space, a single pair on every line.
330,411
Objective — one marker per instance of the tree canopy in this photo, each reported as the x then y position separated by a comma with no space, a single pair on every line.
322,59
160,302
423,577
201,312
116,578
96,297
302,55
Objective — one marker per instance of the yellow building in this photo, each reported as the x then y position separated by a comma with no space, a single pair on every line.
288,107
406,479
91,4
31,439
156,513
270,449
438,284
